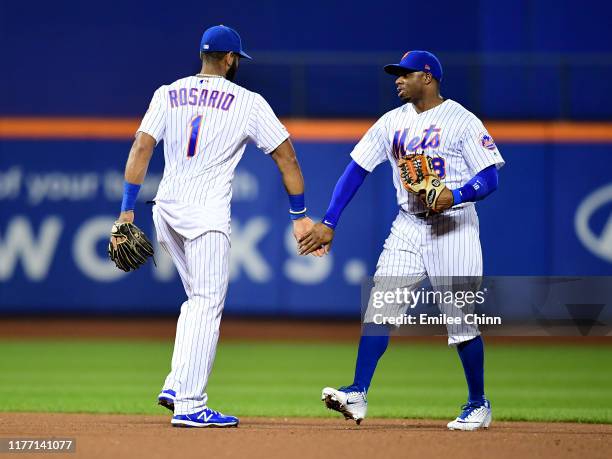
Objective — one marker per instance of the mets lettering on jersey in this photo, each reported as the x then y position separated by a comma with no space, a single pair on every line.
429,139
454,137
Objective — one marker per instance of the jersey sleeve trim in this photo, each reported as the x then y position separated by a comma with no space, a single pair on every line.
144,131
361,163
269,150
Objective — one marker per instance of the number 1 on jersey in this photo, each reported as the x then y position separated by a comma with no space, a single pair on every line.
194,135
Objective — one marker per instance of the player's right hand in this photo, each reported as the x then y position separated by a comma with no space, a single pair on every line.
319,238
301,228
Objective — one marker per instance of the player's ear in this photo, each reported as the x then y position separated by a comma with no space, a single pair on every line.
427,77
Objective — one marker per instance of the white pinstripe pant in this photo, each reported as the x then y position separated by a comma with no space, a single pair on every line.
203,265
443,247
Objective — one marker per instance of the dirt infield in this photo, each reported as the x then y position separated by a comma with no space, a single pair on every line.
103,436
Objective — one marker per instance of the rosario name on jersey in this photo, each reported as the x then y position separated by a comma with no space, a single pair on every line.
452,136
206,123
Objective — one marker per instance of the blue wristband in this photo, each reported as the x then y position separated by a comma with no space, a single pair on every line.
130,193
298,216
297,206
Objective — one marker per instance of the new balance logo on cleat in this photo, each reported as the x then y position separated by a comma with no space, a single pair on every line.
205,416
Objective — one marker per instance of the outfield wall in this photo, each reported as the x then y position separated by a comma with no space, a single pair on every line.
552,214
505,59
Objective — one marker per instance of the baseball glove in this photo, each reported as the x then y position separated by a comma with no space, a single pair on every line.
418,177
131,248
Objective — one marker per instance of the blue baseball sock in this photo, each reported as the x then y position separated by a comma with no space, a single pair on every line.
471,354
372,346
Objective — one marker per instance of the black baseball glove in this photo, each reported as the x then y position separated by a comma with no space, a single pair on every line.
130,248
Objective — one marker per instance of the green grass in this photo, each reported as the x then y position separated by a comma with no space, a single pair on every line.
548,383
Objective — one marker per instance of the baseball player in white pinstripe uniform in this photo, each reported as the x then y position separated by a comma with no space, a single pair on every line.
206,121
439,243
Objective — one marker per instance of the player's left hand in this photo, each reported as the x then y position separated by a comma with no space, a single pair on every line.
445,201
124,217
129,248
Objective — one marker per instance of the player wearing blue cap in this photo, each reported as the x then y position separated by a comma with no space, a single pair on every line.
222,45
205,121
434,235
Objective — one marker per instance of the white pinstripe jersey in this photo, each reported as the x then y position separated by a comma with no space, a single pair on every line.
206,123
453,136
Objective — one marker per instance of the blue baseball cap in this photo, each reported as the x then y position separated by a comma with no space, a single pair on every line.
224,39
417,61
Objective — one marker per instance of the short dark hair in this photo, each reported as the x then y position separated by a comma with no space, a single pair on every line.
213,56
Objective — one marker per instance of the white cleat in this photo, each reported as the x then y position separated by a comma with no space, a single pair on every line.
473,417
349,401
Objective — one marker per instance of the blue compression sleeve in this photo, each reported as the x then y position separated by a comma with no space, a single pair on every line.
348,184
479,187
297,206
